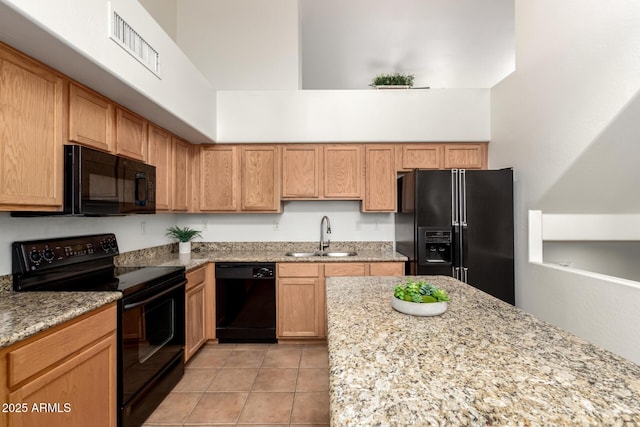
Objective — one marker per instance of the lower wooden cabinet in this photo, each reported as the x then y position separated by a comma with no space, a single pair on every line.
65,376
301,294
199,309
300,301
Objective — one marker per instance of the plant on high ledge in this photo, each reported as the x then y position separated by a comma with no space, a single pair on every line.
395,79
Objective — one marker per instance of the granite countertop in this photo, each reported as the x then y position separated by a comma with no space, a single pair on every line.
23,314
482,362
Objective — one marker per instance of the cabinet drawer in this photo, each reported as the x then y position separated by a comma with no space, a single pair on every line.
345,269
386,269
52,348
298,270
196,277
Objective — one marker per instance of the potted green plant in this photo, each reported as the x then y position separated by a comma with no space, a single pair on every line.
393,81
419,298
183,236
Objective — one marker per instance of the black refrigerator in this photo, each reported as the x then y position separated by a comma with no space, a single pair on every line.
459,223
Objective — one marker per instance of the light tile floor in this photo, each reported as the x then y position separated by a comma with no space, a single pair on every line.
257,385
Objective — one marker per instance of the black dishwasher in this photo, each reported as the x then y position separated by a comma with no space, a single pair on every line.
246,302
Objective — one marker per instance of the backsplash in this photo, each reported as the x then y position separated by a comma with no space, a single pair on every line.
289,246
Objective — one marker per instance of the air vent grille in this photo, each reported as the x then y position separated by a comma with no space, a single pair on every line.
123,34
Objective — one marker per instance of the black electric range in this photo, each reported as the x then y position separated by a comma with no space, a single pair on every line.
151,311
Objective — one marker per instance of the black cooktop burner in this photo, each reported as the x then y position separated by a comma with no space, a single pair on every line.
82,263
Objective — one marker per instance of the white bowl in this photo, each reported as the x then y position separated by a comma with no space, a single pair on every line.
417,308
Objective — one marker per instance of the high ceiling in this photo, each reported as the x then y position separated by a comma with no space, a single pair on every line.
445,43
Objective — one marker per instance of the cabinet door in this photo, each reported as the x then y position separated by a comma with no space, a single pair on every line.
131,135
260,183
219,178
386,269
298,307
160,156
343,172
91,119
301,172
82,391
380,179
420,156
465,156
195,303
31,134
181,178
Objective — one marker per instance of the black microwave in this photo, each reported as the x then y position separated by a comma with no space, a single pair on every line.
99,184
102,184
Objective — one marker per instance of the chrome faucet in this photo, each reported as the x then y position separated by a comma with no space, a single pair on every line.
324,232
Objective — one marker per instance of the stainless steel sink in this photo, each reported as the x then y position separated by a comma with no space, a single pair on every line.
339,254
318,253
301,254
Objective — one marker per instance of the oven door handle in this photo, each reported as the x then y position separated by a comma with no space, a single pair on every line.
154,297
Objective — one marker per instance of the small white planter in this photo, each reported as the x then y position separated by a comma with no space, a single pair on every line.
418,309
184,247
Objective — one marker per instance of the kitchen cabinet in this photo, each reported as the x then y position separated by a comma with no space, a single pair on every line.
181,175
343,172
131,135
161,156
260,178
321,171
301,171
91,119
465,156
199,307
452,155
242,178
300,301
380,179
32,111
71,369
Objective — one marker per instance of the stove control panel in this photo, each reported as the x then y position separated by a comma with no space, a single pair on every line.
39,255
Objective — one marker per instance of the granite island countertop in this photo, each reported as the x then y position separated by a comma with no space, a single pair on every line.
482,362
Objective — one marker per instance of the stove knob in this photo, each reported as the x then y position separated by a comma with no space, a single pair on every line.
35,256
105,245
113,244
49,255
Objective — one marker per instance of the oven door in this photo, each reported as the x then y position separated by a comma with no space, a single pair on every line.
151,348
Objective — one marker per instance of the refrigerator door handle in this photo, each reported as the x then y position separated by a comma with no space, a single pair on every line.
463,197
455,272
465,275
454,198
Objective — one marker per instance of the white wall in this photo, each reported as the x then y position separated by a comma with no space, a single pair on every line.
299,222
133,232
367,115
73,37
574,84
242,44
444,43
165,13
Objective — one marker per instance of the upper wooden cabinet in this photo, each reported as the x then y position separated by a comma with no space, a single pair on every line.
301,171
465,156
453,155
32,106
343,171
243,178
131,135
260,178
219,182
380,179
91,119
161,156
318,171
181,175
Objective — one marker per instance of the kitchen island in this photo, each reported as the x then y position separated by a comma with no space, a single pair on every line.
482,362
